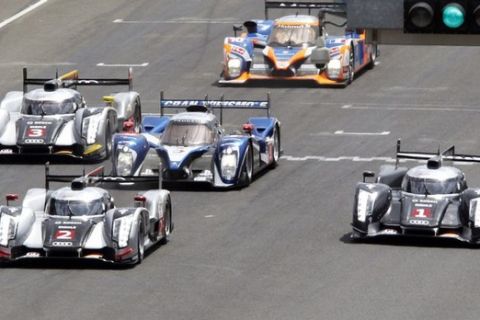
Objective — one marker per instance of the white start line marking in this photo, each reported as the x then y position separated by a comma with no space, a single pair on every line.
103,64
210,216
178,21
346,133
357,159
343,133
22,13
410,107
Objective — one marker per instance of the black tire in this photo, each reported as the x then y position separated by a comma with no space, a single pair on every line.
246,174
351,65
108,142
138,118
373,57
168,223
140,243
276,146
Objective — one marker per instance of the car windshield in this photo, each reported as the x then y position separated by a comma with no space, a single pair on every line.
429,186
76,207
187,134
292,35
45,108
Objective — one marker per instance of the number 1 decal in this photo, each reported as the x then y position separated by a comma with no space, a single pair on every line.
421,213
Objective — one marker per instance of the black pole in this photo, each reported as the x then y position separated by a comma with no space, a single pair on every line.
161,103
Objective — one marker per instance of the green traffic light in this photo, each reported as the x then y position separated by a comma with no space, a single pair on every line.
453,15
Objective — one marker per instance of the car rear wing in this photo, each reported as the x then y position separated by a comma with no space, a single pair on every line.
97,176
329,6
71,79
449,155
221,104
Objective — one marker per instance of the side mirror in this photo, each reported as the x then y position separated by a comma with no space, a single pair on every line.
11,197
368,174
140,200
237,28
247,128
251,26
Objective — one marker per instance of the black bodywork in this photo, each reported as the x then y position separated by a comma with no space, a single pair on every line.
388,207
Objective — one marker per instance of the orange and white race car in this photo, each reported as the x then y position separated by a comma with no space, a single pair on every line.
296,48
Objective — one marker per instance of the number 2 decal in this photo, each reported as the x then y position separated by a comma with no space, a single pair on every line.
65,234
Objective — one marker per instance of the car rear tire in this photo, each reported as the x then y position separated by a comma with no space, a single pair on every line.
276,147
351,65
108,142
373,57
168,223
140,243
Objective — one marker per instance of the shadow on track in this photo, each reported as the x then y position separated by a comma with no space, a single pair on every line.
72,264
36,159
419,242
285,84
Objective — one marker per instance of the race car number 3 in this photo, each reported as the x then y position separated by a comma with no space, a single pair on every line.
36,132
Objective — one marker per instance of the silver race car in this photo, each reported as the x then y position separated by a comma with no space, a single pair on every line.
55,120
81,221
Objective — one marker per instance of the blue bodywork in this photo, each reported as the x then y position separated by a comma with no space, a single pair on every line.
149,141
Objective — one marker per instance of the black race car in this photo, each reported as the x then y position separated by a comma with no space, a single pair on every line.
430,200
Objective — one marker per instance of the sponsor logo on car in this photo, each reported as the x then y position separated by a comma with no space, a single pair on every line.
419,222
62,244
34,141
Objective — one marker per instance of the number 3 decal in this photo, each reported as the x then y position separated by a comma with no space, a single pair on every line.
36,132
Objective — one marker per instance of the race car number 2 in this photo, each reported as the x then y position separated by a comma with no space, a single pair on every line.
36,132
65,235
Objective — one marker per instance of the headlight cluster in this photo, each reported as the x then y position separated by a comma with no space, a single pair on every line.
228,163
475,212
364,205
234,66
121,230
125,159
90,128
7,229
334,68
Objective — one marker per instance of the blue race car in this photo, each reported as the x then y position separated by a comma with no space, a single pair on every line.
192,146
296,47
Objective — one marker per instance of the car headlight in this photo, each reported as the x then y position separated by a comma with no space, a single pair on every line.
7,229
334,67
234,66
121,230
228,163
125,158
90,128
364,205
475,212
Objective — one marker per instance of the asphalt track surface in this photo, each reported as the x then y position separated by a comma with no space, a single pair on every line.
278,249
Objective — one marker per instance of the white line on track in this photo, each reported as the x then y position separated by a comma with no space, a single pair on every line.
410,107
357,159
22,13
343,133
102,64
210,216
178,21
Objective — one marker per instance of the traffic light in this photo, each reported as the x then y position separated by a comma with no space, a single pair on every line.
442,16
